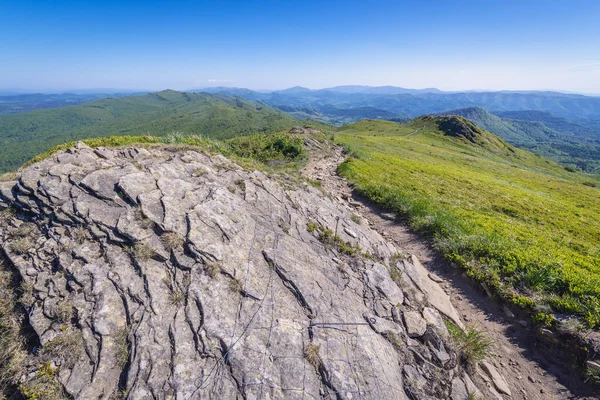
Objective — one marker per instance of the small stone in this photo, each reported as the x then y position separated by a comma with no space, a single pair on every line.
531,379
507,312
593,365
523,323
351,233
497,378
415,324
487,290
435,278
459,390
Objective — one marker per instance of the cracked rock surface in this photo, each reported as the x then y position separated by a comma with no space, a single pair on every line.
173,274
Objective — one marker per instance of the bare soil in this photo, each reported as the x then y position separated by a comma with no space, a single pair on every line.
534,364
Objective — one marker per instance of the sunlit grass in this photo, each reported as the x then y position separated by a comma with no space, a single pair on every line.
524,225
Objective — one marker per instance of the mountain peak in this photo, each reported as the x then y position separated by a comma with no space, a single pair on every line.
461,128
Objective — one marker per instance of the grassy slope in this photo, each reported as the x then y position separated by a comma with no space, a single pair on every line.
563,142
22,136
519,222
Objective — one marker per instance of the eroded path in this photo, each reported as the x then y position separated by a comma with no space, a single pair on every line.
533,368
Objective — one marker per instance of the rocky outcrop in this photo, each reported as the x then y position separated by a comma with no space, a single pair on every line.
175,274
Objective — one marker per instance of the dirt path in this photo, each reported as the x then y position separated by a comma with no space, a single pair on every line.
532,368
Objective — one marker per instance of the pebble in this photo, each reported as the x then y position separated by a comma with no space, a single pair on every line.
508,313
435,278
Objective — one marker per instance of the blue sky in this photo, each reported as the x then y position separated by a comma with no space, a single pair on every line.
55,45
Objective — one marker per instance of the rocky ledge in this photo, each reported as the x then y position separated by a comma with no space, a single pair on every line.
173,274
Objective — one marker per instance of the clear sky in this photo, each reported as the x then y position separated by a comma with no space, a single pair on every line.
55,45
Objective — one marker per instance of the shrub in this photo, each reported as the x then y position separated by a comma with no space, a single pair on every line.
45,386
267,148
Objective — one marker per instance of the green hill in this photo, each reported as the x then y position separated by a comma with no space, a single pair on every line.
565,142
523,224
25,135
558,124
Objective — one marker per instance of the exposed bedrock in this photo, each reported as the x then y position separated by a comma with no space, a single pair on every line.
168,274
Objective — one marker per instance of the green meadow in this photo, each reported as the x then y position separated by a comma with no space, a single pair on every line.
524,225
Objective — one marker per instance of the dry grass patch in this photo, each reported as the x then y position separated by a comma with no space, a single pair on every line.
21,245
177,297
12,345
143,251
26,229
235,285
142,220
26,293
67,346
212,269
172,240
79,234
311,353
199,172
122,347
64,311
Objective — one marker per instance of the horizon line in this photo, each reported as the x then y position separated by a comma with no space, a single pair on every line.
82,91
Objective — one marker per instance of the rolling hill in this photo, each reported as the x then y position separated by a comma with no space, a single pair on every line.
522,224
25,135
566,142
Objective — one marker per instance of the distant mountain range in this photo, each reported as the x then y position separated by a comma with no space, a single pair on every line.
18,103
561,126
396,102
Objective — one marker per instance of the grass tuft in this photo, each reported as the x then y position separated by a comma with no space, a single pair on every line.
172,240
471,344
235,285
143,251
212,269
311,353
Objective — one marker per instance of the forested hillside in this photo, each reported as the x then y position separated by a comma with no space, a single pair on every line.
25,135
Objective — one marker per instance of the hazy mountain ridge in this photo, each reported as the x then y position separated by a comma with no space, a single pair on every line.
18,103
